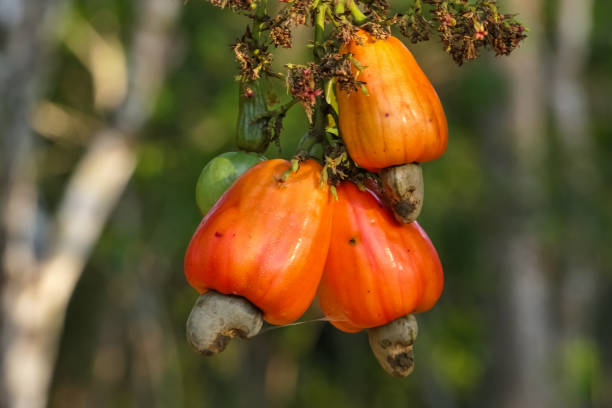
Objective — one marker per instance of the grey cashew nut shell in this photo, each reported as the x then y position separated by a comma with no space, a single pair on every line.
217,318
404,190
393,345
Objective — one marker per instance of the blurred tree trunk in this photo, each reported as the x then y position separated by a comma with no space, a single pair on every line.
522,370
36,288
581,182
24,29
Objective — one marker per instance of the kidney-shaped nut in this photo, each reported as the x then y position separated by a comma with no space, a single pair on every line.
216,318
403,190
393,345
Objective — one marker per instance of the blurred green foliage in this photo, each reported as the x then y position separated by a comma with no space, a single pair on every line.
123,343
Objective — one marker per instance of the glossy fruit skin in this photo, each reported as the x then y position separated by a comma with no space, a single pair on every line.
401,120
377,269
265,240
252,102
219,174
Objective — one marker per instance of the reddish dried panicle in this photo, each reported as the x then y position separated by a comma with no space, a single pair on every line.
302,83
480,34
464,27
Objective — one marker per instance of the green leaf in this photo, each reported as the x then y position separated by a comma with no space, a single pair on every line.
332,189
333,131
295,165
356,63
330,139
330,94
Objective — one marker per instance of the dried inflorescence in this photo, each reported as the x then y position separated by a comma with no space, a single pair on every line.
281,35
254,58
339,167
346,33
463,27
295,14
415,27
464,30
236,5
504,37
339,66
302,84
378,31
380,7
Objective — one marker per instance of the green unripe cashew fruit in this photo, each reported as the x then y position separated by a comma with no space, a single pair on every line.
251,134
219,174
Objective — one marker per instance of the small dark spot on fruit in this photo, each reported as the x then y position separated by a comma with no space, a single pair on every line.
352,241
218,234
386,115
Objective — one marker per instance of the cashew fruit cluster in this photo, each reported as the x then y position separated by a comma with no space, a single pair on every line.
278,235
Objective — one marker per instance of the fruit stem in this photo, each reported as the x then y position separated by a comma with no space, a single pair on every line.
306,144
280,111
319,30
317,132
340,7
261,10
358,16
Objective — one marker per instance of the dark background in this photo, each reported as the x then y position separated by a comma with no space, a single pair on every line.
110,109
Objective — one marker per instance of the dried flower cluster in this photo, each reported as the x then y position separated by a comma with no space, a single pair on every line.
463,27
305,82
378,30
296,13
378,7
339,67
253,58
346,33
302,84
415,27
235,5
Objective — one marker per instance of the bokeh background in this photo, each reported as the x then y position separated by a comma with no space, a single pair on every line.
108,111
